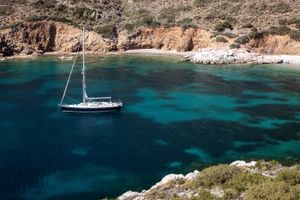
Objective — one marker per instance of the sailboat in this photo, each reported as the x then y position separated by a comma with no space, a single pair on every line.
88,104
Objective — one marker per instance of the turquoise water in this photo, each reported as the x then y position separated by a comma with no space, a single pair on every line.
177,117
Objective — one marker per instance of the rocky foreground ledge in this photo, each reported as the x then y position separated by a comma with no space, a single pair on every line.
239,180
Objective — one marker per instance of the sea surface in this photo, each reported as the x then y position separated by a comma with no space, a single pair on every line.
177,117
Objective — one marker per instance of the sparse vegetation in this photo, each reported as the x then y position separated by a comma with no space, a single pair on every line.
230,35
222,26
107,31
242,39
248,25
221,39
200,3
185,23
295,35
280,7
283,30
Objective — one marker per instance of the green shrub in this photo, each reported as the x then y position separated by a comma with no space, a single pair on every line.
230,35
61,8
43,4
168,15
257,34
298,25
107,31
242,39
283,30
272,190
253,29
295,35
222,26
293,20
214,176
35,18
273,30
290,176
5,10
268,165
221,39
234,46
185,23
248,25
241,182
129,27
203,195
149,21
282,21
280,7
200,3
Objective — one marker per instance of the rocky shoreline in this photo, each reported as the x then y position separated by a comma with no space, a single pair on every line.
31,39
238,180
213,56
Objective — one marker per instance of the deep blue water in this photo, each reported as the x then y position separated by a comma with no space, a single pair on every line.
177,117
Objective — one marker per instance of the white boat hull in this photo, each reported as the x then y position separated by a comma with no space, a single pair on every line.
94,107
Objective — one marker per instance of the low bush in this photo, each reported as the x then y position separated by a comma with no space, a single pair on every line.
35,18
203,195
248,25
242,39
298,25
185,23
293,20
107,31
215,176
257,34
221,39
222,26
129,27
44,4
234,46
168,15
282,21
230,35
295,35
200,3
5,10
290,176
242,181
283,30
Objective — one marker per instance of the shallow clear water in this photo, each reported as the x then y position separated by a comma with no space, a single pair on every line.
177,117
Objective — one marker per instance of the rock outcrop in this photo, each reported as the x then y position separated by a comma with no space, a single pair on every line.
175,38
49,36
237,180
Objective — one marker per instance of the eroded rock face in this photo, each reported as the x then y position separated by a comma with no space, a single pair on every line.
276,44
174,38
49,36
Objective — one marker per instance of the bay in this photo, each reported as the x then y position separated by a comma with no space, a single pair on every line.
177,117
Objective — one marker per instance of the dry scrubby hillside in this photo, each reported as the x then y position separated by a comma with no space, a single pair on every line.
234,21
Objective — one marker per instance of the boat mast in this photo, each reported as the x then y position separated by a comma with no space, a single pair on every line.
84,95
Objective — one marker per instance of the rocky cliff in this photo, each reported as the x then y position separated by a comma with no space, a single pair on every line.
52,36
